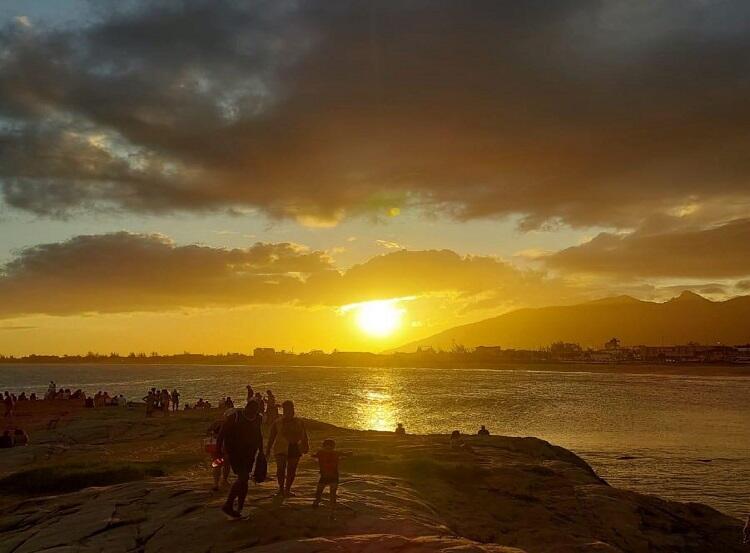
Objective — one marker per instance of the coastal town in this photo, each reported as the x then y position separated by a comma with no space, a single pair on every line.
612,352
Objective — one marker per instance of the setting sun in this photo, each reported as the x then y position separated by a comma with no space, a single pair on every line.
377,318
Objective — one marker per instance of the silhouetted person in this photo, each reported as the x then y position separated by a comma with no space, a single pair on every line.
240,439
400,430
175,400
261,402
6,440
289,441
51,390
150,400
483,431
328,462
10,405
270,402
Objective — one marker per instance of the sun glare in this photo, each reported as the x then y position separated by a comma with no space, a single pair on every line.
378,318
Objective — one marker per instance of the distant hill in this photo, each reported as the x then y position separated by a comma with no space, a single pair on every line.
686,318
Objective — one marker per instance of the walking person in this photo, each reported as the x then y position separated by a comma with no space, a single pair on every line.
328,462
175,400
10,405
164,402
289,442
240,440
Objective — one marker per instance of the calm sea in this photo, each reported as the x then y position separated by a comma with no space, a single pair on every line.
680,437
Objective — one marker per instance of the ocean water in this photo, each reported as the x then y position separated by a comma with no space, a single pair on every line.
685,438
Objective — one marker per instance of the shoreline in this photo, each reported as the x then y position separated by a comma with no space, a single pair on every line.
646,369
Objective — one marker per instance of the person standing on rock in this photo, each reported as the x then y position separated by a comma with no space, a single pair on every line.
150,401
289,442
328,461
239,442
270,402
175,400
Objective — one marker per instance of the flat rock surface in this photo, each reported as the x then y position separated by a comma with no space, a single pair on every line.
412,494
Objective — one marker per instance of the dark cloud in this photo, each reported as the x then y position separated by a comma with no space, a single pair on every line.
722,251
583,112
124,272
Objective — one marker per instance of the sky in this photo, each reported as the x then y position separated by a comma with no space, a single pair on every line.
214,176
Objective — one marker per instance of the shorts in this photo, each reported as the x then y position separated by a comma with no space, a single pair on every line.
242,465
327,479
293,451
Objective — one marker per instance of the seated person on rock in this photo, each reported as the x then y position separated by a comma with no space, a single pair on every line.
20,437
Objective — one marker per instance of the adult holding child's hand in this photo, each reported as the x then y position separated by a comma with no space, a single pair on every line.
289,442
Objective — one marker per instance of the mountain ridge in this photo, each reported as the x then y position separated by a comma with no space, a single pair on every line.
688,317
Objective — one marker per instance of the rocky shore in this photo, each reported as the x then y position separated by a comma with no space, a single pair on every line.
411,494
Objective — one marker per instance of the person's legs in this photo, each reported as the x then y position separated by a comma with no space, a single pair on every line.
319,493
281,471
291,472
237,491
244,478
241,483
229,503
334,489
216,474
225,470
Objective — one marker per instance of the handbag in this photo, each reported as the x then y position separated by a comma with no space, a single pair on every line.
261,467
209,446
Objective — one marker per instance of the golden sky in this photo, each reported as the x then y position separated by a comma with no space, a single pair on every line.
215,176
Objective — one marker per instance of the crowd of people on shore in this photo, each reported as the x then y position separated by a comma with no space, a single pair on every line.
161,401
53,393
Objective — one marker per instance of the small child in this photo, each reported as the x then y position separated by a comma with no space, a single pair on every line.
328,460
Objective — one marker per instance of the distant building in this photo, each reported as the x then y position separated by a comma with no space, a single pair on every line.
488,351
264,352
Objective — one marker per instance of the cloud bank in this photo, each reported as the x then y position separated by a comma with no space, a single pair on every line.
581,112
722,251
124,272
